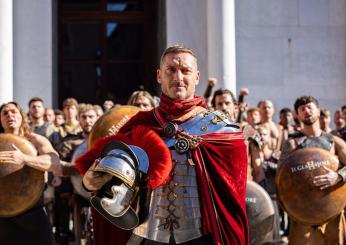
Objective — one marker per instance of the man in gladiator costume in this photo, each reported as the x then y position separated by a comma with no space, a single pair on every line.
202,201
311,135
31,226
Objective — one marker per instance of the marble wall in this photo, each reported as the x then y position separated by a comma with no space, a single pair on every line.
290,48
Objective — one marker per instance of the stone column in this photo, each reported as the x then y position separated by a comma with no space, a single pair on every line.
221,43
6,51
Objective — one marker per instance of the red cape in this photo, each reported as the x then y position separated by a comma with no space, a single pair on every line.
221,170
221,165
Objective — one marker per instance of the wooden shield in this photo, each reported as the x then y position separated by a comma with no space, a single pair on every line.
108,124
303,201
21,186
260,212
111,122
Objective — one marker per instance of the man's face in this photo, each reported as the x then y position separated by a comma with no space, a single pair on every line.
107,105
87,120
267,109
59,120
253,118
70,112
143,103
339,120
225,104
308,113
264,133
178,76
36,110
11,119
286,118
324,122
343,112
49,116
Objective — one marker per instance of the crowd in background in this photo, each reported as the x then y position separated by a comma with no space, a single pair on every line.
68,129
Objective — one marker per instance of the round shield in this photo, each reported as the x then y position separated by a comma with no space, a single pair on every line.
260,212
301,199
111,122
21,186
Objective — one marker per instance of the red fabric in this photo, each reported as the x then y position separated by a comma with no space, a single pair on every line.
224,158
158,173
177,108
105,233
84,162
226,163
160,162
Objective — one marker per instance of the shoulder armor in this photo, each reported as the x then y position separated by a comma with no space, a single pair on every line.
324,141
207,122
296,134
329,137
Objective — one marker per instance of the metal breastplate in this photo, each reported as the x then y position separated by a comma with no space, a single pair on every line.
175,207
325,141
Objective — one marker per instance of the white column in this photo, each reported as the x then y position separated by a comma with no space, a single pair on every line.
6,51
221,43
33,49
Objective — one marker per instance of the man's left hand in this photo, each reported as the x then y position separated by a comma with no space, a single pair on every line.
15,156
326,180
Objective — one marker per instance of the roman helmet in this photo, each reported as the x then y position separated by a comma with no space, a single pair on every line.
138,163
128,164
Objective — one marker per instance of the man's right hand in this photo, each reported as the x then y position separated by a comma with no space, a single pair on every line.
92,180
212,82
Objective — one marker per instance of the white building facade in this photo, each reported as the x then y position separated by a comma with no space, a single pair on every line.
278,49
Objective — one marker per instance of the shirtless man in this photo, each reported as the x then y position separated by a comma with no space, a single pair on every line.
311,135
31,227
266,108
325,120
225,101
340,125
253,117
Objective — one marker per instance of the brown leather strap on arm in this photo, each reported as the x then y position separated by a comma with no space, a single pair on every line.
342,173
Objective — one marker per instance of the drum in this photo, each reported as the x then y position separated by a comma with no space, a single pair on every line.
21,186
300,198
260,212
111,122
108,124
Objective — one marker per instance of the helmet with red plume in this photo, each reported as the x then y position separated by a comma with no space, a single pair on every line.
138,164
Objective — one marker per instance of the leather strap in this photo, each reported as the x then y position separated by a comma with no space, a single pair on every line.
342,173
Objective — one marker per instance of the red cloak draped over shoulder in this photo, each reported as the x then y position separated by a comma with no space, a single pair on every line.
221,165
221,170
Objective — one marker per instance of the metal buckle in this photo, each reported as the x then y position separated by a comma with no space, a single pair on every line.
170,129
181,145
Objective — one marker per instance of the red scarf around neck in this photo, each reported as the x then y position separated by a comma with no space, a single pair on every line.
176,108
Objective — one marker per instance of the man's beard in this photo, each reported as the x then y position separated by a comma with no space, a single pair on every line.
310,121
36,116
87,130
228,114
